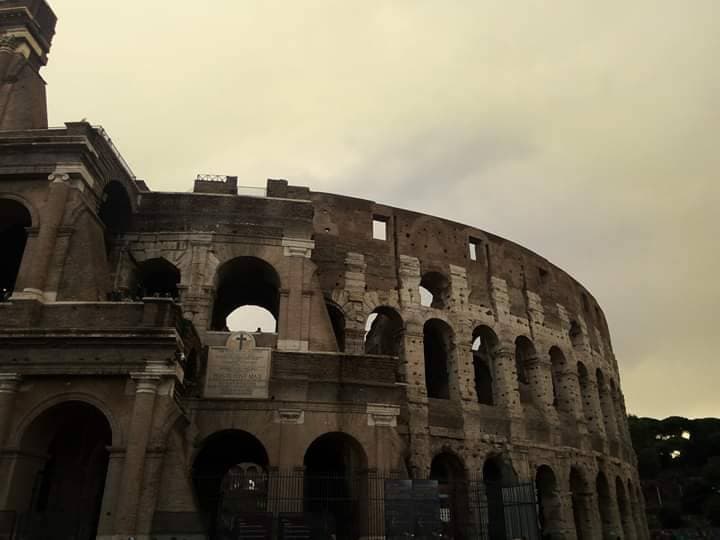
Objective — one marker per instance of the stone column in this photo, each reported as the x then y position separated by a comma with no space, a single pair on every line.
151,483
44,245
146,386
507,395
608,411
540,378
9,385
110,493
294,309
593,409
591,523
415,363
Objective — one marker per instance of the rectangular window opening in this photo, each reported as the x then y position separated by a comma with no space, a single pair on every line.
379,228
474,247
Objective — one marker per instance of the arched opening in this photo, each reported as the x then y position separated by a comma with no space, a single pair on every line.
250,319
575,334
604,502
384,332
637,513
337,321
605,404
524,355
14,222
434,290
449,472
586,398
60,472
558,365
624,510
115,212
483,349
549,503
582,513
336,486
439,346
158,277
229,476
245,281
493,480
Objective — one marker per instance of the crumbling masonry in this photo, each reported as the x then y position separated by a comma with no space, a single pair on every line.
405,346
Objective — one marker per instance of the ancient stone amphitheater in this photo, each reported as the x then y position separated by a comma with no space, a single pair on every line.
419,377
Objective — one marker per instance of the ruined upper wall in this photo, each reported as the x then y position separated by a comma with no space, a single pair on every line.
345,224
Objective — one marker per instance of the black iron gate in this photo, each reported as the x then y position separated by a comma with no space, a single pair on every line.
284,505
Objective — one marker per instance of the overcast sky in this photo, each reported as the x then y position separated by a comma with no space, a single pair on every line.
587,131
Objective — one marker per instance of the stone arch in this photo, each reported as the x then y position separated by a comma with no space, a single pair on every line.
337,322
439,352
525,362
46,404
384,332
581,497
15,220
604,502
213,472
60,470
335,485
449,471
35,217
549,502
586,396
497,473
158,277
438,286
244,281
484,343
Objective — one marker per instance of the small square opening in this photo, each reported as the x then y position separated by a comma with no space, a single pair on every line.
379,228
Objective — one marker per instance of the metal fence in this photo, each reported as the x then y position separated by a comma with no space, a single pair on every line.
299,505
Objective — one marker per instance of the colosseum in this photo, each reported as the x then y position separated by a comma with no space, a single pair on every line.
422,378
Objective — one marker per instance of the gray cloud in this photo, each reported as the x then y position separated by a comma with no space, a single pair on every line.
586,131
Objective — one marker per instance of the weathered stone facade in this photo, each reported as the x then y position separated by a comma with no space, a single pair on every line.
116,295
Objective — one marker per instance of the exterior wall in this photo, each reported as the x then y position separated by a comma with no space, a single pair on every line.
73,331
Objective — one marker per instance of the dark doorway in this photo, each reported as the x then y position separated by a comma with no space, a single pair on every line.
14,221
449,472
229,475
579,491
336,487
158,277
549,503
438,347
493,479
66,486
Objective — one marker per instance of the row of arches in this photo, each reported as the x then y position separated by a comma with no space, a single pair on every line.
64,453
18,218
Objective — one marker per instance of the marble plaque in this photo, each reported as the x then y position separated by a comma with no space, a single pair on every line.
239,370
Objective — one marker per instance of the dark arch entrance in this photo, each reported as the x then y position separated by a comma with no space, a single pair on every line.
158,277
450,474
336,486
115,212
245,281
60,476
230,463
549,503
493,480
14,220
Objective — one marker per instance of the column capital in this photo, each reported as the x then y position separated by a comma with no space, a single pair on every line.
145,383
59,178
10,382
